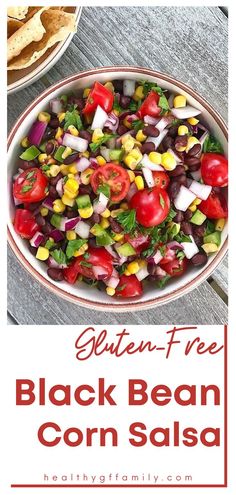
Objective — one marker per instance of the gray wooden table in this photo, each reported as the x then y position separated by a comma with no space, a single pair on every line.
187,42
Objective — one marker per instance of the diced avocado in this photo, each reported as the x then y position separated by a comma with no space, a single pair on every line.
126,250
210,247
56,220
220,224
116,154
59,153
83,201
102,237
214,238
198,218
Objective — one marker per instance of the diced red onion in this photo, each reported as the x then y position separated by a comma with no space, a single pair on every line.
36,132
120,261
203,137
112,282
131,118
82,164
196,175
174,245
150,120
148,176
190,248
112,122
60,187
94,164
184,198
160,272
68,223
128,87
142,273
82,229
17,201
100,204
99,272
132,190
157,140
202,191
75,142
105,152
57,235
53,263
164,122
48,203
157,257
56,105
111,251
99,119
17,175
185,112
176,157
20,170
36,240
201,126
147,163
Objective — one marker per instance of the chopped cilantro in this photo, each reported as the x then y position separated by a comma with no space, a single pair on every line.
137,125
73,246
72,117
26,188
161,283
85,263
105,189
116,105
102,140
162,201
128,220
212,145
59,256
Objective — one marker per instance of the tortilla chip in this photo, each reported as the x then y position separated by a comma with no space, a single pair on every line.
33,30
58,25
17,12
31,12
12,26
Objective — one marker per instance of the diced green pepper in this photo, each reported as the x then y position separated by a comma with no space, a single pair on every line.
126,250
198,218
58,154
116,154
102,237
30,154
83,201
56,220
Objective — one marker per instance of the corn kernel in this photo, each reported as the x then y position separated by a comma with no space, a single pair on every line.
71,185
81,251
42,157
124,206
168,161
44,117
73,169
192,208
128,142
155,157
180,101
142,263
58,206
51,161
86,92
133,267
44,212
64,169
61,116
139,182
104,223
182,130
140,136
42,253
67,200
106,213
196,202
110,291
86,212
115,213
127,273
220,224
193,121
116,112
118,237
131,175
54,170
138,94
70,235
133,158
109,86
70,176
97,134
127,123
191,142
85,176
86,154
101,161
67,152
59,133
25,142
72,129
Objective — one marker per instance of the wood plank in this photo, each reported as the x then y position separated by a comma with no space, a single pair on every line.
183,42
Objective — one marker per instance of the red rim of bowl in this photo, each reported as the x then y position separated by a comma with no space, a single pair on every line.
136,304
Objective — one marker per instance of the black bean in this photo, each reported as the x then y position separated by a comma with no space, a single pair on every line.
116,227
179,170
47,228
121,130
173,131
188,215
151,130
199,259
92,242
197,239
147,148
54,180
40,220
71,158
55,274
192,161
181,179
54,123
34,206
118,85
73,100
180,141
71,213
95,218
186,228
49,148
25,165
85,135
64,244
53,192
49,134
167,142
85,189
32,249
125,101
94,154
178,217
195,150
200,230
173,189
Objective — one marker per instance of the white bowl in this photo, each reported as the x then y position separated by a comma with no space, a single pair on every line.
81,293
19,79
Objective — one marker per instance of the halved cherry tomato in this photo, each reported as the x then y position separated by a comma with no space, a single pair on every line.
25,224
96,257
176,267
30,186
99,95
214,169
215,206
129,286
115,176
170,255
150,106
161,179
152,206
138,241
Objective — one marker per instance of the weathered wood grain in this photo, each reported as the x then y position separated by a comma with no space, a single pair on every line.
187,42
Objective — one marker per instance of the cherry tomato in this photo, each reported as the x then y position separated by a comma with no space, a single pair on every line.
138,241
99,95
96,257
25,224
152,206
161,179
115,176
30,186
214,169
176,267
129,286
215,206
170,255
150,106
